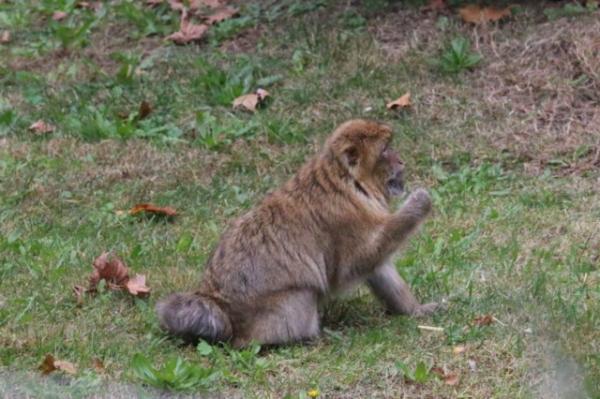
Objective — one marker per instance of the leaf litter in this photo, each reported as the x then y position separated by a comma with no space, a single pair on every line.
250,102
210,11
50,364
115,273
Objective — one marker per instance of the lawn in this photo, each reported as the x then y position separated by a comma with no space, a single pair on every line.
503,129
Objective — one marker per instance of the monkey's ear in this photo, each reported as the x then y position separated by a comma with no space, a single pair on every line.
350,156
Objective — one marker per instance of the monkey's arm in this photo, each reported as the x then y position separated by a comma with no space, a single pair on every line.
394,293
405,221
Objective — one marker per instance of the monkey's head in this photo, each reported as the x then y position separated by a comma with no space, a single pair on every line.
364,149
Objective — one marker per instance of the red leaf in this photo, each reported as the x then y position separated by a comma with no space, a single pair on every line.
110,268
165,211
484,320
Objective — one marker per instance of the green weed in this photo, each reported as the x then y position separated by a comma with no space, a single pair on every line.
458,57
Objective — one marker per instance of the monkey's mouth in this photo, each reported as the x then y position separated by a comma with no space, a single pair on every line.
395,185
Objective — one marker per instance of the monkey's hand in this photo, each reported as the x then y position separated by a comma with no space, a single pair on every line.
418,203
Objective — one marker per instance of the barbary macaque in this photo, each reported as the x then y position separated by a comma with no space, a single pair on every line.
328,228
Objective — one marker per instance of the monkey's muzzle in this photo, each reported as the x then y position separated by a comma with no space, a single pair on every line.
395,185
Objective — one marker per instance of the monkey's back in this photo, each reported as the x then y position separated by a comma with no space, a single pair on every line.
287,241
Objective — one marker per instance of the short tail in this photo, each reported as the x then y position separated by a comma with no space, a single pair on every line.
191,317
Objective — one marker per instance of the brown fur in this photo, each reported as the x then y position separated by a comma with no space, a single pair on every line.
326,229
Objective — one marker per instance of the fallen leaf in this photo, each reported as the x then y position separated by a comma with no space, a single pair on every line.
251,101
188,32
90,5
475,14
5,37
194,5
401,102
457,350
435,5
221,14
448,377
110,268
50,364
164,211
59,15
451,379
137,286
262,94
41,127
484,320
145,109
98,365
113,270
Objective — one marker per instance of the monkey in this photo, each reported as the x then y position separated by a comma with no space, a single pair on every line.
328,228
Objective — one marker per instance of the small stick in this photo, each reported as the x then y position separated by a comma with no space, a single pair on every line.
430,328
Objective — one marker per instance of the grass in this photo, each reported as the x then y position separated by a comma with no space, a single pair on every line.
514,235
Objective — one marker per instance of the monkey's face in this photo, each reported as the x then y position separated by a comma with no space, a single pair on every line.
364,147
389,170
394,182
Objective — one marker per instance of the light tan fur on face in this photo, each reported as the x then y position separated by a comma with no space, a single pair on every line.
328,227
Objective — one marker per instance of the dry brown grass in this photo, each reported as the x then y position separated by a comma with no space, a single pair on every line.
536,94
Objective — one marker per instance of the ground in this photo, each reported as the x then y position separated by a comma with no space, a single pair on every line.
509,148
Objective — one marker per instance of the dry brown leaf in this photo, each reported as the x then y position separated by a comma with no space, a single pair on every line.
448,377
435,5
110,268
221,14
5,37
137,286
164,211
484,320
401,102
188,32
475,14
50,364
194,5
59,15
113,270
98,365
457,350
250,102
451,379
145,109
90,5
41,127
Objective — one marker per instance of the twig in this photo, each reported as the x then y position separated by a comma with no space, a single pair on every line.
430,328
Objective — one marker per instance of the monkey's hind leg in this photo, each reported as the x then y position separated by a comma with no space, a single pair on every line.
284,317
392,290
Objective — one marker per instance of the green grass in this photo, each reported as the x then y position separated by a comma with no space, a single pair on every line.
522,248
